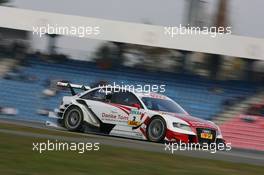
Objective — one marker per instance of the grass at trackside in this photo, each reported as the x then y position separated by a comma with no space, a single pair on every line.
17,157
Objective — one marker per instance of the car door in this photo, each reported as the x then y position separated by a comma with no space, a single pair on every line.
127,102
99,106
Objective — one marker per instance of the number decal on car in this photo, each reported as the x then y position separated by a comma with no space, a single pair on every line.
134,117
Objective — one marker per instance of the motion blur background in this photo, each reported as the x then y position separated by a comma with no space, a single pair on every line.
227,90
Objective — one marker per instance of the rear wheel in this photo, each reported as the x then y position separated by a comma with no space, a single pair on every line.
156,129
73,118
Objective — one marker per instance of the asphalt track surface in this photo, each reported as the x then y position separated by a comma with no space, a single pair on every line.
235,155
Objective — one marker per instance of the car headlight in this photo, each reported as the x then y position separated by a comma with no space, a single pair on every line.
182,126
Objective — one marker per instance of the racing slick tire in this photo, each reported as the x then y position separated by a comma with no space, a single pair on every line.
156,130
73,119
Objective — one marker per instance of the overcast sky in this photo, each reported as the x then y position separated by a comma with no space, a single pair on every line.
245,15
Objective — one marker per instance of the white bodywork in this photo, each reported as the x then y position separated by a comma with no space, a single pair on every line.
96,111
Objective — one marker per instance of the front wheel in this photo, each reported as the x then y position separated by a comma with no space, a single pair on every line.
156,129
73,118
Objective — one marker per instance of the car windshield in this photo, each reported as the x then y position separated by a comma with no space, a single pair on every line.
165,105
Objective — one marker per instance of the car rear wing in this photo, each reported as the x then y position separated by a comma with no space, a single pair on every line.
73,86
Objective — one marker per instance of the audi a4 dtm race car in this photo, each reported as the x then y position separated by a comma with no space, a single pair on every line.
121,112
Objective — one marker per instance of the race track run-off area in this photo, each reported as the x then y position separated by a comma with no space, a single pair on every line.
118,155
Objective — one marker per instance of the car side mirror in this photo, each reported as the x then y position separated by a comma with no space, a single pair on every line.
136,105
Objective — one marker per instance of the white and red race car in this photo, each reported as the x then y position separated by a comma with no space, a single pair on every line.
120,112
